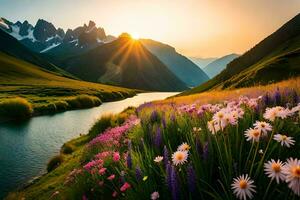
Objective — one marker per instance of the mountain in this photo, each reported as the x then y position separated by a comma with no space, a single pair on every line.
12,47
44,36
202,62
125,62
215,67
181,66
275,58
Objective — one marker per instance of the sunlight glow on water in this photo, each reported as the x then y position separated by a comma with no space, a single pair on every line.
25,147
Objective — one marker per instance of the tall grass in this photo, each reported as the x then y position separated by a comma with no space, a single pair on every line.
16,108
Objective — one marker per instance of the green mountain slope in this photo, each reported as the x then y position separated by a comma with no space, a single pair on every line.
124,62
181,66
41,87
13,47
273,59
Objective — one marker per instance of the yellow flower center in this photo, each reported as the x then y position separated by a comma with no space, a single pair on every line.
276,167
179,156
243,184
296,171
263,125
255,133
283,137
220,115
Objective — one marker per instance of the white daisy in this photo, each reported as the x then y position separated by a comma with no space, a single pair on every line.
195,129
179,157
284,140
252,134
184,147
264,127
274,170
243,187
278,111
292,172
219,116
213,127
158,159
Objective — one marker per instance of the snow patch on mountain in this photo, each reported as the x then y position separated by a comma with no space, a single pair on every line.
50,47
16,33
3,24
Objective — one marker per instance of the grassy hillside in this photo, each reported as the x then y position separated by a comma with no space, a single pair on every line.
124,62
177,121
43,88
181,66
271,60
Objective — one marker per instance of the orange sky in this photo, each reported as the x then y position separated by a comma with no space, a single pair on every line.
204,28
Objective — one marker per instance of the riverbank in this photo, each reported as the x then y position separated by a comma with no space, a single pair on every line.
40,138
12,108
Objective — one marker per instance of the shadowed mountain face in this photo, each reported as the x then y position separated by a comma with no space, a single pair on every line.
181,66
215,67
124,62
273,59
12,47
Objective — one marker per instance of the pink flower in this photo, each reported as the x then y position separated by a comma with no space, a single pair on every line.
111,177
114,194
101,183
102,171
84,197
125,187
116,156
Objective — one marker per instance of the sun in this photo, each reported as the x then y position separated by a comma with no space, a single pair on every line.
135,36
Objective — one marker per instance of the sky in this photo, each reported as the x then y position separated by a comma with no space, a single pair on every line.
196,28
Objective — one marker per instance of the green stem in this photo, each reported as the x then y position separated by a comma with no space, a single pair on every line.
265,152
246,164
253,160
267,190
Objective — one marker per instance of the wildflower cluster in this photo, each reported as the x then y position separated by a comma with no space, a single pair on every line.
245,148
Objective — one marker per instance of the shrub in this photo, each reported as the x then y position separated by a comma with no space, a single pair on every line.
16,108
67,148
46,108
61,105
54,163
84,101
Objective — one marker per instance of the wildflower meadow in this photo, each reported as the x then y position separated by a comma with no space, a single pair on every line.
247,148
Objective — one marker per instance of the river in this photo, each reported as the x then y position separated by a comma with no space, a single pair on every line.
26,147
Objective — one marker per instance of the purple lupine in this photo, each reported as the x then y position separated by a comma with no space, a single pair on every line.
138,173
174,184
173,118
295,97
277,97
154,116
191,179
158,138
266,99
205,151
166,155
129,160
129,145
168,176
199,147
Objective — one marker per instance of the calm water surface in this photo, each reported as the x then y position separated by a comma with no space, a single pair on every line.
25,147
